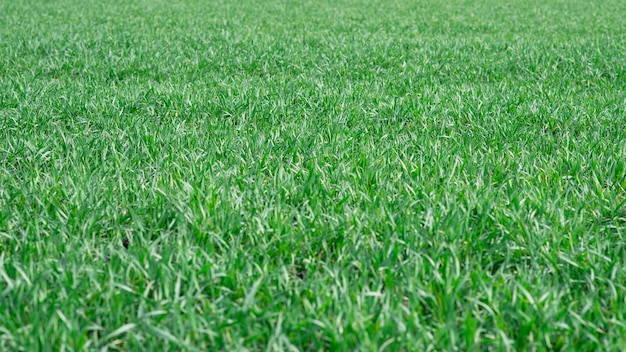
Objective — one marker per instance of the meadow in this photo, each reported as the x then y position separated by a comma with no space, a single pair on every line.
282,175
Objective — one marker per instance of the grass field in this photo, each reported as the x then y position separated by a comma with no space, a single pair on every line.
312,175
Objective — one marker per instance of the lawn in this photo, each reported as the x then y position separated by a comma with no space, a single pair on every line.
401,175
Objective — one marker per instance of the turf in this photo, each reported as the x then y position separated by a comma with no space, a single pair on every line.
312,175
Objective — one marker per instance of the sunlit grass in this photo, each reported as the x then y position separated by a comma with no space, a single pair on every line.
329,175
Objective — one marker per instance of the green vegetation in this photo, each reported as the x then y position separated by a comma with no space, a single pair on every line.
312,175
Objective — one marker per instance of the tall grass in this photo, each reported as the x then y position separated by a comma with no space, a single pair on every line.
312,175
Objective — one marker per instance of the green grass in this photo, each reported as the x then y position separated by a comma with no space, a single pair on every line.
312,175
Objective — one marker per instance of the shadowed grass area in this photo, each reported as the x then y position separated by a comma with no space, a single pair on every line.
298,175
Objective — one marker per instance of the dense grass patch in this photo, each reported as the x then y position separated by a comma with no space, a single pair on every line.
312,175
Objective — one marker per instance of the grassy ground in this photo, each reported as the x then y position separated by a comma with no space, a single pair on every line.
312,175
